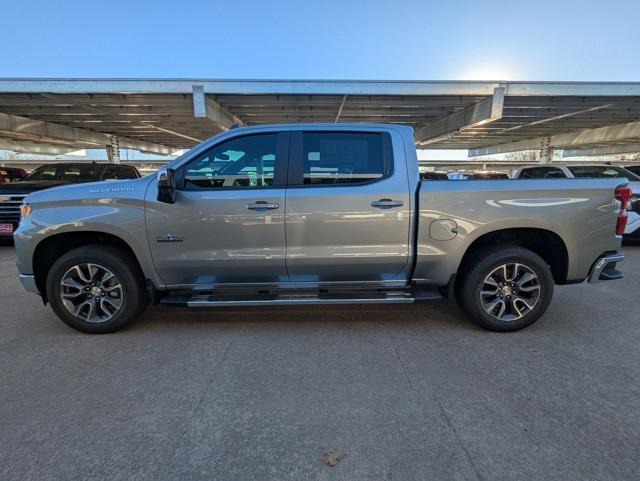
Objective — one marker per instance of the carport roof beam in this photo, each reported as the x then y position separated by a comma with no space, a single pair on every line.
35,148
606,150
629,132
481,113
48,132
320,87
205,106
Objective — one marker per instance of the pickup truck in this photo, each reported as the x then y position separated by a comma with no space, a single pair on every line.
315,214
53,175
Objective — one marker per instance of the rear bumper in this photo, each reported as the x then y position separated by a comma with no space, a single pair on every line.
29,283
604,268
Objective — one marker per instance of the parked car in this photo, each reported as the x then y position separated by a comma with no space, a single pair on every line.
476,175
433,175
211,229
591,171
633,168
11,174
53,175
489,174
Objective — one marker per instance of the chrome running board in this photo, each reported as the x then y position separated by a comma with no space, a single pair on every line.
298,299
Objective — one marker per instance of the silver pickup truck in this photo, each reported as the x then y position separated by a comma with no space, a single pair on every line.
315,214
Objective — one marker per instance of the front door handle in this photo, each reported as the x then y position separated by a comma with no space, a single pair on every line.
386,203
262,205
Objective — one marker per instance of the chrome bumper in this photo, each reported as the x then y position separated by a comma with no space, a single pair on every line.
29,283
605,268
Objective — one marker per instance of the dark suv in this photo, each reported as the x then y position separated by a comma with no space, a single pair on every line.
53,175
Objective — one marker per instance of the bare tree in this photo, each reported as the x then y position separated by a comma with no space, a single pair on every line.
11,156
522,156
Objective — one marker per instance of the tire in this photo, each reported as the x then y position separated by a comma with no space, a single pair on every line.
108,303
525,295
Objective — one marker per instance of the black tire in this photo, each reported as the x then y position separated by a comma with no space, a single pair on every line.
484,262
122,265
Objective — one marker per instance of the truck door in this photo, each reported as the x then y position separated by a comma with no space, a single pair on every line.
227,223
348,208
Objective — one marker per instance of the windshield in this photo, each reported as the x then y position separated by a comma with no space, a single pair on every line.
602,171
67,173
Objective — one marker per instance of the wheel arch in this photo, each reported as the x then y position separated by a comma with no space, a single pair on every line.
545,243
52,247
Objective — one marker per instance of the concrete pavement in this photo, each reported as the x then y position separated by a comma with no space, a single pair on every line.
406,392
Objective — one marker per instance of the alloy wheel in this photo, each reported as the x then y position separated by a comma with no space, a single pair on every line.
91,292
510,291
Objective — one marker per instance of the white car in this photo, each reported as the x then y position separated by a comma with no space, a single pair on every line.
581,171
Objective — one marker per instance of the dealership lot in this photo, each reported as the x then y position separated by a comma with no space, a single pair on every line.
406,392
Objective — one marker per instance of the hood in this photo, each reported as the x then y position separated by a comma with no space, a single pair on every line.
92,190
28,186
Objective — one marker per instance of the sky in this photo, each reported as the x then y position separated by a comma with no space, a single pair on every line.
427,40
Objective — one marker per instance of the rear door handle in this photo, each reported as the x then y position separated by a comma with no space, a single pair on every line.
262,205
386,203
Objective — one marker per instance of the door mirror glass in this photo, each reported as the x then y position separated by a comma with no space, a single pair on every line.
167,186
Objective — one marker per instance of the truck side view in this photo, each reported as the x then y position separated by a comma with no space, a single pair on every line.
315,214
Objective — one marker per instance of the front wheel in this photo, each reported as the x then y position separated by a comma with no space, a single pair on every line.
96,288
505,288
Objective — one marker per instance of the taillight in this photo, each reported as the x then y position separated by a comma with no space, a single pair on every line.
623,194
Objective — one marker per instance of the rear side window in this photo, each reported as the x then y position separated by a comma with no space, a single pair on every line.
634,168
119,172
598,171
127,173
542,173
342,158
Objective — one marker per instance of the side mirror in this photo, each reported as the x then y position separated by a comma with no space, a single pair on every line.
167,186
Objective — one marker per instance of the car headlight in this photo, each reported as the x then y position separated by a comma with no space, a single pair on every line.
25,210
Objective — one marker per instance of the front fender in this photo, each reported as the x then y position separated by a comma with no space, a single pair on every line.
88,210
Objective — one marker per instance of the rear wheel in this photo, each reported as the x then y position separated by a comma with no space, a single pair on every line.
505,288
96,289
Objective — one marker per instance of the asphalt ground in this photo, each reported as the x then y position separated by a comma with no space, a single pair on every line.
403,392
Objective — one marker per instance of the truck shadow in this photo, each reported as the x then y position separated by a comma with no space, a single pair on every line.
443,314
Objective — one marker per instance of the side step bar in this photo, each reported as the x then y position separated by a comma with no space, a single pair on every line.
298,299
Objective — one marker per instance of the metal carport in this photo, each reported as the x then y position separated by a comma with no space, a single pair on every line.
163,115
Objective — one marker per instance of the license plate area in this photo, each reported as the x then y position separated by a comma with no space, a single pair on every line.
6,228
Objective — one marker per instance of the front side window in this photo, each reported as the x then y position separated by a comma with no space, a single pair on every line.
342,158
247,161
43,173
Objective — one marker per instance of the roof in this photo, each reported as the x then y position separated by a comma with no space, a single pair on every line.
176,113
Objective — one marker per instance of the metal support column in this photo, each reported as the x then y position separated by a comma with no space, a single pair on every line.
546,151
113,150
